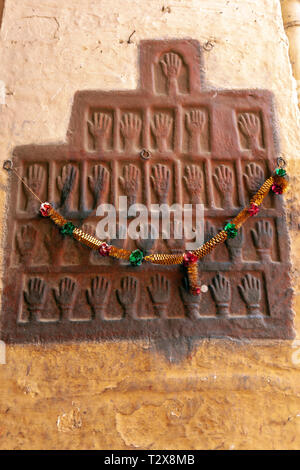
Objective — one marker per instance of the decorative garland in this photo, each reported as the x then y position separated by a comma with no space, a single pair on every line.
277,183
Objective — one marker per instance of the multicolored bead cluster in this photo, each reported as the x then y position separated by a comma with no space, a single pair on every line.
277,183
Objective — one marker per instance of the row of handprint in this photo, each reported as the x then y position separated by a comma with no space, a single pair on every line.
37,247
161,134
162,184
96,300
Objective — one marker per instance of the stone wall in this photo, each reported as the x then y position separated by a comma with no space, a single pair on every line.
121,395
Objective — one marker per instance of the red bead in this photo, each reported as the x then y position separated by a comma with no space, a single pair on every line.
45,209
253,209
277,189
104,249
196,290
189,258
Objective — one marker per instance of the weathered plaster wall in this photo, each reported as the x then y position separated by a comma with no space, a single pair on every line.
226,394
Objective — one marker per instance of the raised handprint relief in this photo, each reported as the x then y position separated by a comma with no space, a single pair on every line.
35,180
147,240
194,183
100,128
161,182
254,177
130,182
98,183
121,239
263,238
191,303
250,290
159,291
65,297
224,182
36,297
161,127
98,296
221,292
171,65
26,239
131,126
235,246
66,184
195,121
128,296
249,125
175,245
55,244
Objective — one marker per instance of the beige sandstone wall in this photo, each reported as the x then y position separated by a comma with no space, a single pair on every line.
226,394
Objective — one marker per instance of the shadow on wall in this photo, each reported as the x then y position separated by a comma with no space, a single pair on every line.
1,11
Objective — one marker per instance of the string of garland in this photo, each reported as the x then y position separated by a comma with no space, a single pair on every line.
278,183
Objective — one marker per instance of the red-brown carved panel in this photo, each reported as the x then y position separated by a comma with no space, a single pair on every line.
206,146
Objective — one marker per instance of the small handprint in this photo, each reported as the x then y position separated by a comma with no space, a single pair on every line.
251,293
65,184
263,238
175,245
131,126
254,177
195,121
26,242
171,66
250,126
161,127
121,237
98,296
36,298
235,245
147,240
221,292
159,291
35,180
55,244
128,296
224,182
191,302
100,128
130,182
65,297
194,182
161,181
98,184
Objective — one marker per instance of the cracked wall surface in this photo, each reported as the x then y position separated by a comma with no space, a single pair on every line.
225,394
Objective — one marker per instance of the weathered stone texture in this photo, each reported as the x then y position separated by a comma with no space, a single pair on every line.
225,394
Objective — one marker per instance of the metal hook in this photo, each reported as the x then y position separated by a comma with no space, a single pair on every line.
8,165
281,162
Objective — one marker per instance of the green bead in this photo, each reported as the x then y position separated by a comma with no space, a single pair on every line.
136,257
280,171
231,230
67,229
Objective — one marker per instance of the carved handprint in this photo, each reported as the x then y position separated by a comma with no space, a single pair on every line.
221,292
175,245
191,302
35,180
195,121
209,232
65,297
171,66
128,295
254,177
55,244
250,126
130,182
223,181
98,296
161,127
121,237
65,184
235,246
159,290
100,128
131,126
146,245
262,239
98,184
194,182
26,242
36,297
161,182
251,293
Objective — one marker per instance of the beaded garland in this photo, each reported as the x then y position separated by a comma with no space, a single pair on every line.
277,183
